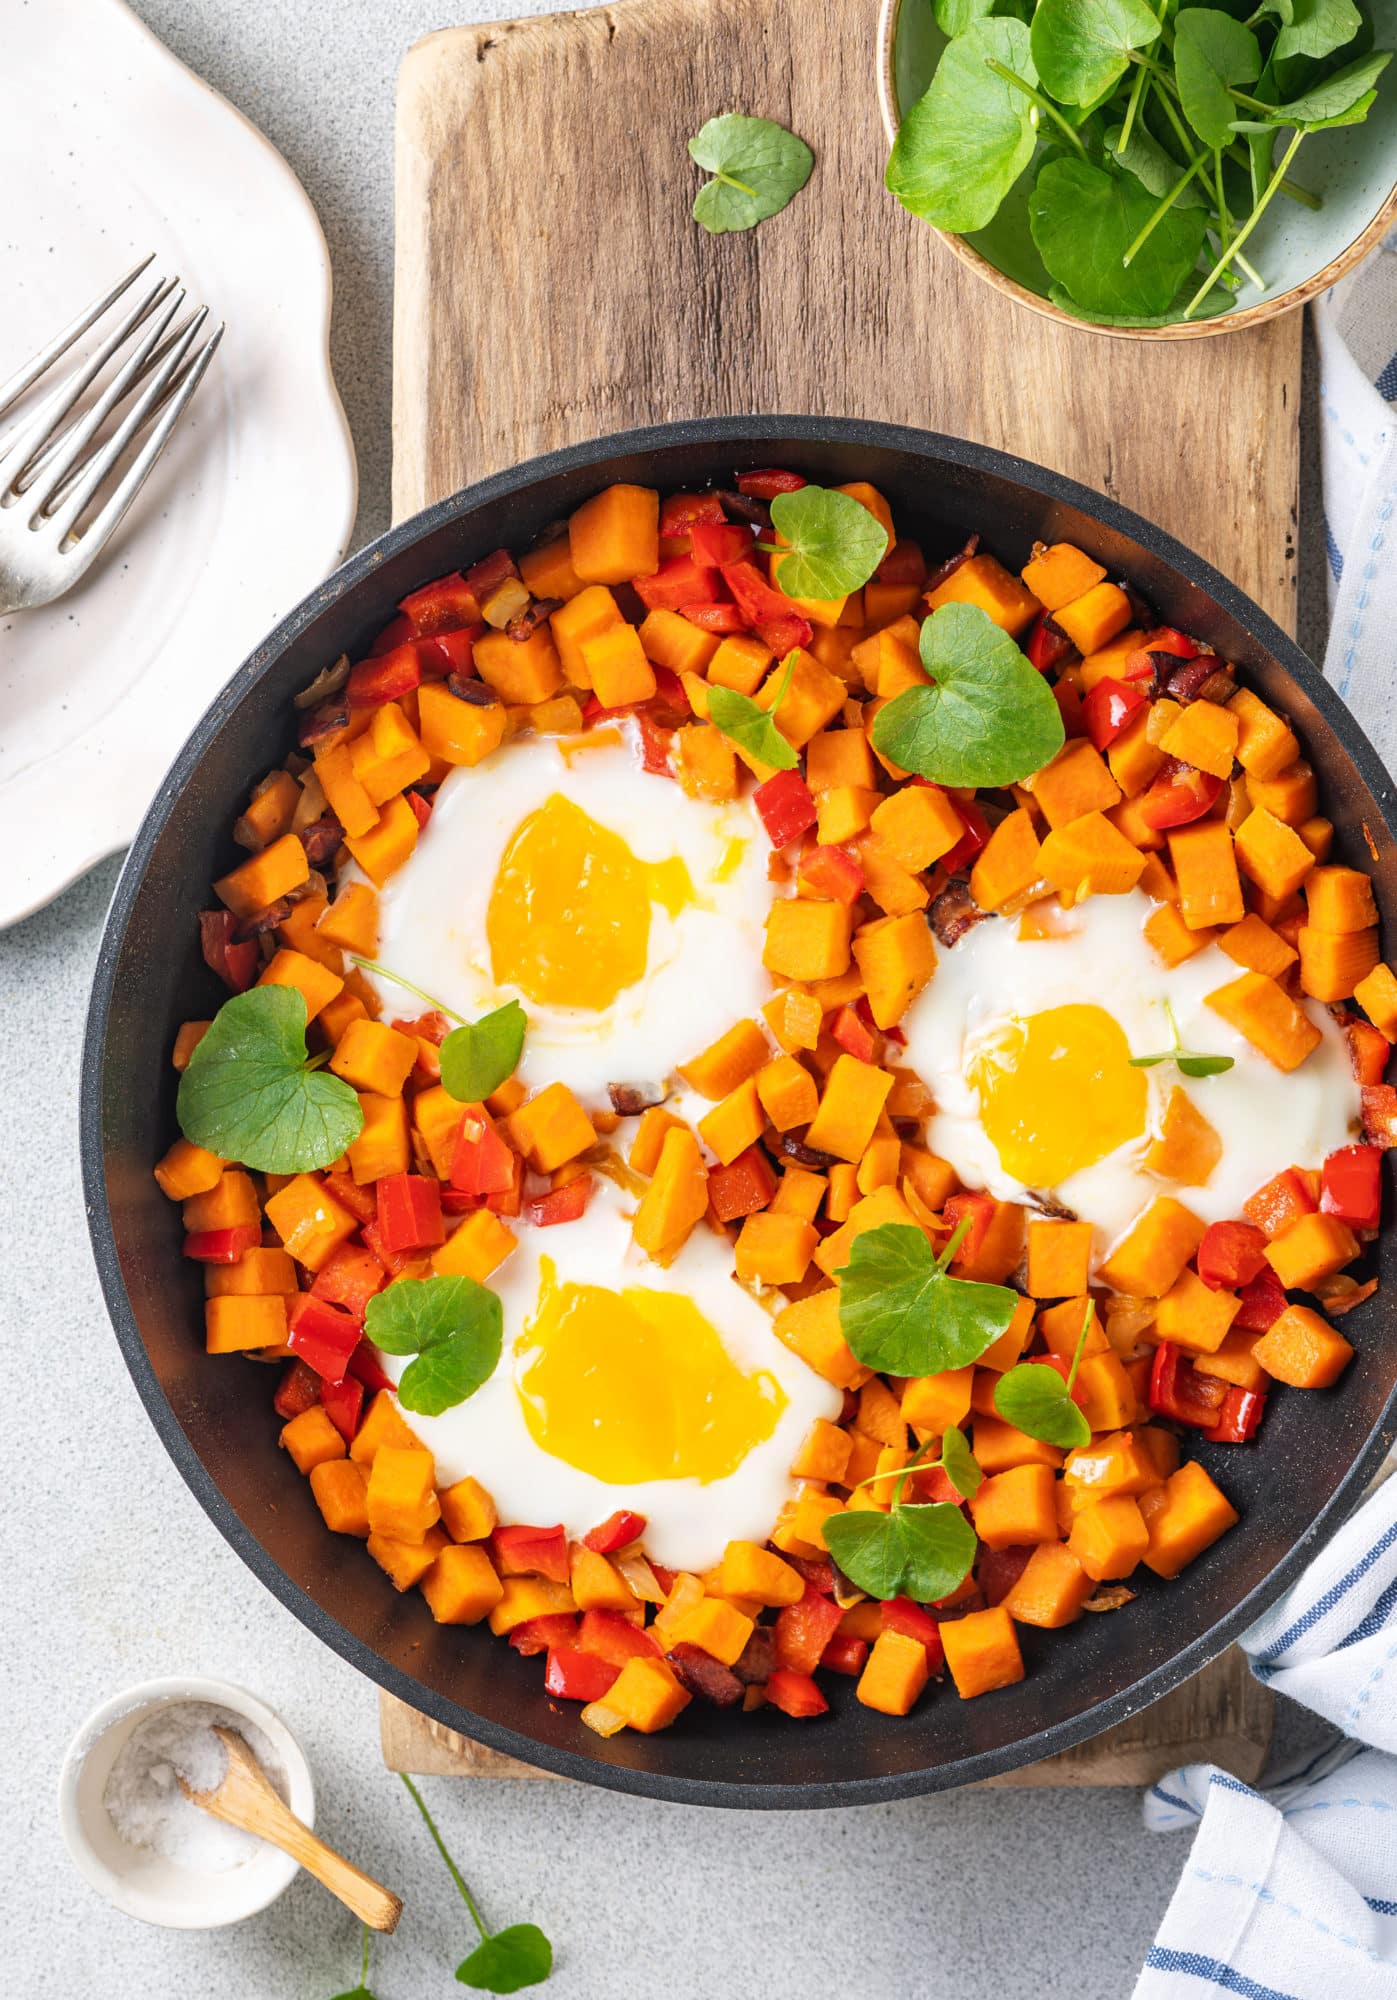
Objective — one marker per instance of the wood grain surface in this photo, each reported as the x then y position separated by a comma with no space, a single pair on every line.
552,287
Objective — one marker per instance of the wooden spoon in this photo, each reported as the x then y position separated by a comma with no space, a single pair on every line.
245,1797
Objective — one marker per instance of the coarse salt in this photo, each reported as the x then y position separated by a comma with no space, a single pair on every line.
143,1797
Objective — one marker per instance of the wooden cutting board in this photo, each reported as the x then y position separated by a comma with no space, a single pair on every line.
551,287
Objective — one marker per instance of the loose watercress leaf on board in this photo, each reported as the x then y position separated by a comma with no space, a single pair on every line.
1212,52
989,718
250,1095
1084,220
921,1552
959,1463
757,166
962,146
453,1325
833,543
1082,47
479,1056
751,727
518,1956
1035,1400
901,1314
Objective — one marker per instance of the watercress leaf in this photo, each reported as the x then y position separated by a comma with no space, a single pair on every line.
757,167
962,146
959,1463
1218,301
835,542
356,1993
1156,169
454,1326
1203,1065
953,17
901,1314
1315,28
1341,99
1081,47
750,727
1211,53
477,1058
520,1955
988,718
922,1552
248,1095
1150,1062
1084,220
1034,1399
451,1371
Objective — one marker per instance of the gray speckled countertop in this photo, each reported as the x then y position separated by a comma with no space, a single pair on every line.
114,1573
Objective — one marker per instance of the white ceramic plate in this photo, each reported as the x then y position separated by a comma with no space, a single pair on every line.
110,148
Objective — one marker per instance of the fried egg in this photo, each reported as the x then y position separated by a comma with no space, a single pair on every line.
625,1384
625,917
1026,1047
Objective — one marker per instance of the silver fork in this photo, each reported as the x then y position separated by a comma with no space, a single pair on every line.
54,461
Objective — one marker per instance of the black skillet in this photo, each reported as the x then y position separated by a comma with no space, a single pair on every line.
1316,1450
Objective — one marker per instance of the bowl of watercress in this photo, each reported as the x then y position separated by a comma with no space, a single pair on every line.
1146,169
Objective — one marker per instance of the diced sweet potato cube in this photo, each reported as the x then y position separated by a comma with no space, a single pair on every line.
475,1249
316,985
587,613
1265,744
1332,963
1303,1349
1008,864
773,1249
810,1328
918,824
734,1124
461,1587
1171,936
813,697
1133,759
982,1651
402,1499
1194,1316
788,1093
267,877
646,1695
719,1628
1060,574
894,1674
896,957
1059,1259
1205,735
1109,1537
1015,1508
984,581
406,1563
384,1145
799,1192
1183,1518
1312,1248
853,1097
676,1198
999,1446
310,1438
648,1143
616,666
616,535
386,846
1339,900
188,1170
1095,617
736,1055
1149,1257
1271,1021
671,641
526,1597
895,889
310,1222
1254,945
1004,1353
1076,782
551,1129
1272,854
705,762
340,1490
381,1426
1105,1392
257,1273
1089,856
467,1511
374,1057
1205,868
824,1453
808,940
1291,793
1187,1147
1376,994
547,569
1051,1589
751,1571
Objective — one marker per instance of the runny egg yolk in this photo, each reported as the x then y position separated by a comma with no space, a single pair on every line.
1057,1092
569,916
637,1385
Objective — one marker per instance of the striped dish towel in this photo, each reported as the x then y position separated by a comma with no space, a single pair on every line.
1292,1894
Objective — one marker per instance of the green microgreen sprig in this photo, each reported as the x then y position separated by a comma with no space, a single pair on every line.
476,1057
1187,1061
1037,1400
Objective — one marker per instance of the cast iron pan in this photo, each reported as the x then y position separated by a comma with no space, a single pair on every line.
214,1415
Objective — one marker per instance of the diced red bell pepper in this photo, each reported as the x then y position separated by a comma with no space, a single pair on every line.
998,1570
347,1192
1368,1051
385,676
617,1531
1238,1418
804,1629
932,1484
526,1551
235,963
323,1335
1178,796
443,605
409,1212
656,744
833,874
538,1635
670,693
481,1161
1164,639
714,543
344,1404
612,1637
1262,1302
784,632
432,1026
394,1262
222,1246
767,481
1108,707
854,1035
681,513
742,1187
1379,1113
1351,1186
562,1204
573,1675
1230,1255
752,593
421,808
489,573
297,1390
510,1200
845,1654
977,832
364,1367
452,652
717,617
1282,1201
795,1694
396,632
979,1210
786,806
914,1621
904,563
1069,707
350,1279
679,580
1179,1392
1046,643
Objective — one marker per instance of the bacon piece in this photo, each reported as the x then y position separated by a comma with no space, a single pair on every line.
704,1676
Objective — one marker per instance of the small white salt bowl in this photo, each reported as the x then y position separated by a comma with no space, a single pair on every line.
139,1881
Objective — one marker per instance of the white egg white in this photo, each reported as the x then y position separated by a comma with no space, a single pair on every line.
689,1522
704,969
1265,1119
